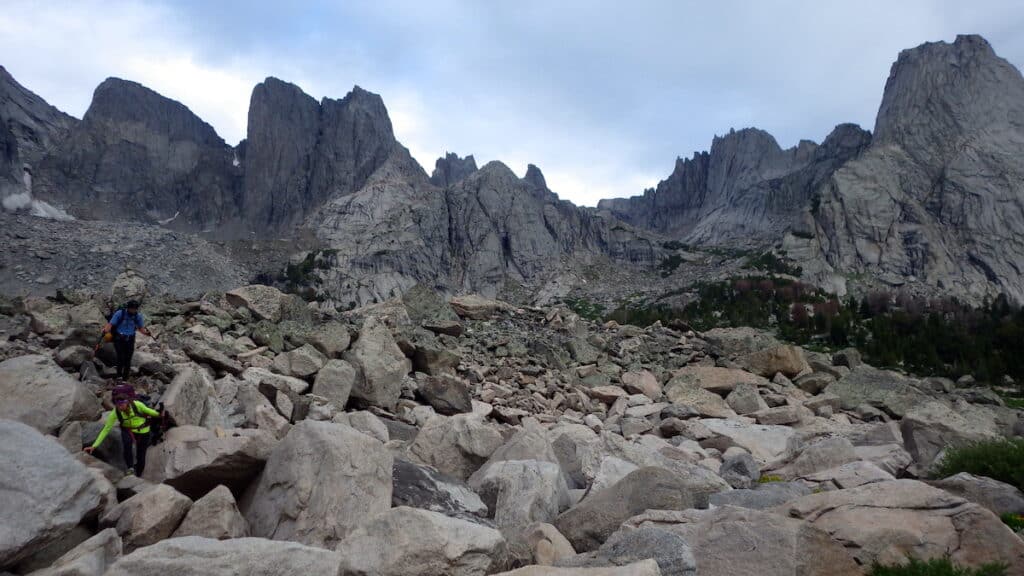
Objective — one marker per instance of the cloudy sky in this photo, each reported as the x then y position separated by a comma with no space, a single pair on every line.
602,95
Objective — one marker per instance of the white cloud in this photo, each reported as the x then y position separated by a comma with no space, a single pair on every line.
62,50
601,96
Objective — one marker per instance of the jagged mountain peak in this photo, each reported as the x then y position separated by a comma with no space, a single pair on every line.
496,168
939,93
364,101
119,100
451,169
535,177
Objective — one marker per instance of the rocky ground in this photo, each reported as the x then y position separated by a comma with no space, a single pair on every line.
424,436
41,255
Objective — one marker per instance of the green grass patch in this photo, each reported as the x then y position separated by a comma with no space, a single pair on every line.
936,567
586,309
772,263
1001,460
669,265
1014,521
1012,400
768,478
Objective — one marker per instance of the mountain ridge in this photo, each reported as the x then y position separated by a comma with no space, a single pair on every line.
949,122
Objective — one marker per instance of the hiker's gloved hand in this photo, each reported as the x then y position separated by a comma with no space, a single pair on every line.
88,449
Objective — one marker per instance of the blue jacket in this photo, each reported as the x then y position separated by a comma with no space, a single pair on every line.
128,326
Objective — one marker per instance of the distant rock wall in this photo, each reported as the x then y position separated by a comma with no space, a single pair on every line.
934,199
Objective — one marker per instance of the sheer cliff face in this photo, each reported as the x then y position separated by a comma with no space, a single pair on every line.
939,196
9,163
282,134
489,228
935,197
300,153
35,126
138,156
332,166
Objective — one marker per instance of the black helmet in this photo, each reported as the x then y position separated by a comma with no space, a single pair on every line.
132,304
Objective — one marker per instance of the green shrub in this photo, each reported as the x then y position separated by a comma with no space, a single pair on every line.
586,309
1001,460
773,264
1012,401
669,265
936,567
1014,521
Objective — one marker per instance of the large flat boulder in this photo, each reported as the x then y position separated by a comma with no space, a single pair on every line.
302,362
320,481
38,392
203,352
281,382
45,492
885,522
419,486
214,516
148,517
244,406
456,445
891,392
642,568
849,475
264,302
930,428
684,391
815,456
334,382
763,496
999,497
521,492
331,339
785,359
733,342
732,541
892,458
191,398
447,394
412,541
476,307
588,524
196,460
766,443
426,306
90,558
716,379
594,461
380,365
667,548
196,556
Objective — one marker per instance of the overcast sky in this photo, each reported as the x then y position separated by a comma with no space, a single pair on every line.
602,96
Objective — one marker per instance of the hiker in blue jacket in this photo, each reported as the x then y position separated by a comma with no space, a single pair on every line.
122,326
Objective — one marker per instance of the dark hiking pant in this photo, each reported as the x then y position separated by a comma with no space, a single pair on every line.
141,443
125,348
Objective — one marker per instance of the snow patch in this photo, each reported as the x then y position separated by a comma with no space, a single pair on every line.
167,221
23,201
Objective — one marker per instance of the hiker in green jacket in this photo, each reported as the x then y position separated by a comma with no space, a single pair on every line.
132,415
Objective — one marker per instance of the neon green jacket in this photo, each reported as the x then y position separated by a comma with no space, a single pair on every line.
132,421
